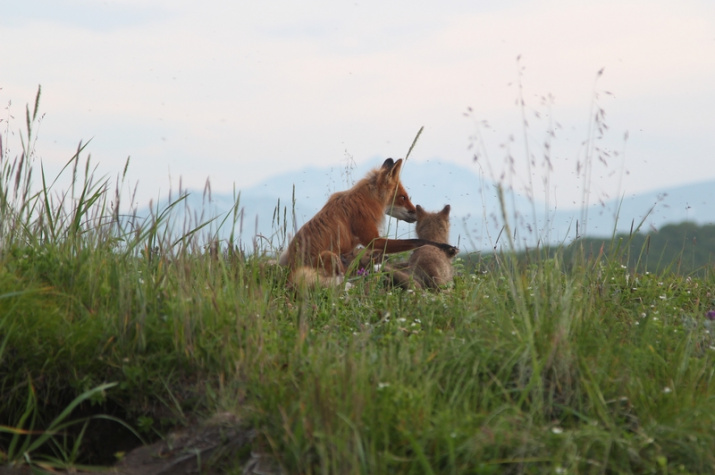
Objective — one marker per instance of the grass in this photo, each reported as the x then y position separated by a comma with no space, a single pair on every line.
110,323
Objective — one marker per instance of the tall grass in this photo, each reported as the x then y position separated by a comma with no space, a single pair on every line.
529,366
572,378
93,293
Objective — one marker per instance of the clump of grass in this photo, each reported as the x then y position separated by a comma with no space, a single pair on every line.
91,293
25,441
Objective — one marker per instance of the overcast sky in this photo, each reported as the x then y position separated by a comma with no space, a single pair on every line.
238,91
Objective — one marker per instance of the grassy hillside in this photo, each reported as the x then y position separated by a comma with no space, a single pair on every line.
684,248
113,333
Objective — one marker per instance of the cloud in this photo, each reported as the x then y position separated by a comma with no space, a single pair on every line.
237,91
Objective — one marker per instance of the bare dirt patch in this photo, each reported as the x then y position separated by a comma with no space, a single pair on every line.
218,446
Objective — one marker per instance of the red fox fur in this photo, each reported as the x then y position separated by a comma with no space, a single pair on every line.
350,218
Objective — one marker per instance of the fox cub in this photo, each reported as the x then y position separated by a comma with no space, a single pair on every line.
429,267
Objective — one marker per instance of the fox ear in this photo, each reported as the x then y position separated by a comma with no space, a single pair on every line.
395,170
388,164
420,211
445,211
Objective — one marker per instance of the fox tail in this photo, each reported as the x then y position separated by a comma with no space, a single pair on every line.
307,278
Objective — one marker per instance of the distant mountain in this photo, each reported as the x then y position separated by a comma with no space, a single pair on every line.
274,209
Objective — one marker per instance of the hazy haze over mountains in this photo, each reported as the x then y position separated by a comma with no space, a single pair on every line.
476,217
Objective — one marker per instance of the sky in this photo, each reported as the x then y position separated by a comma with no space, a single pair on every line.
235,92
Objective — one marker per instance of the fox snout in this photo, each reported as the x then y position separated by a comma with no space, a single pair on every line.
402,214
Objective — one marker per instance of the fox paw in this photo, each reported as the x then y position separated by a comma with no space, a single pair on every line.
450,250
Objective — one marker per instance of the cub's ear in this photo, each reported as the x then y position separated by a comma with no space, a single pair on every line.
445,211
420,212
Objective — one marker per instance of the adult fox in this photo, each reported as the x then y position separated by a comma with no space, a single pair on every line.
349,218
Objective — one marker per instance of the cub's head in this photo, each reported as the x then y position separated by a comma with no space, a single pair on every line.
433,226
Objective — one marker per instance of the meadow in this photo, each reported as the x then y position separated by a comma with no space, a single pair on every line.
117,331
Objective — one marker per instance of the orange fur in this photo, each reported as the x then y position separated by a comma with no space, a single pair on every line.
351,218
